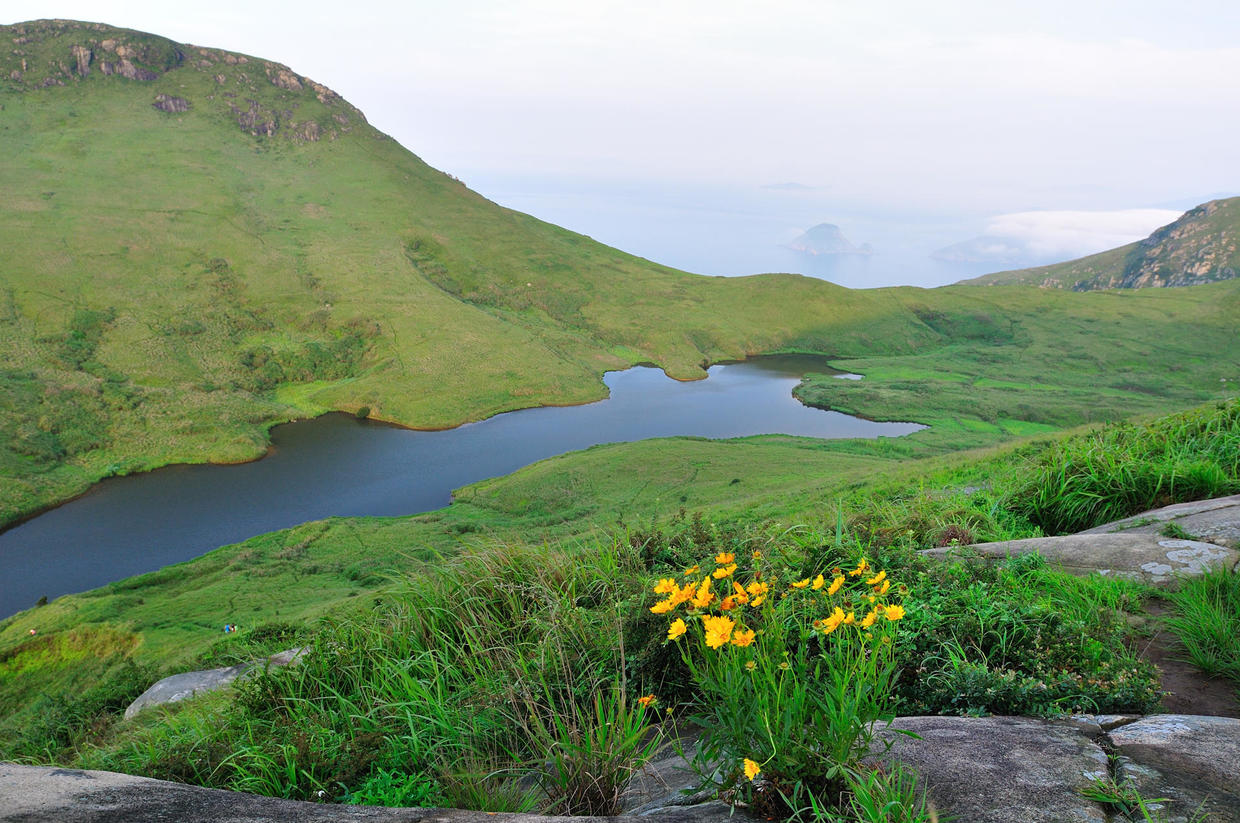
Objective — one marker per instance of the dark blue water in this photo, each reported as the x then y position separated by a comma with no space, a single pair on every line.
337,465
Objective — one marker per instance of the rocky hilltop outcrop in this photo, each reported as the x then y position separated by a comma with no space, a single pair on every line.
261,97
1202,246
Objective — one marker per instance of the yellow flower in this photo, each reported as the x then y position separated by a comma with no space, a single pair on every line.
752,769
800,584
757,588
663,606
884,588
869,619
677,628
862,567
703,596
743,637
728,603
724,571
850,618
691,570
718,629
876,579
893,612
757,555
739,594
833,622
724,558
758,601
685,594
666,586
647,700
835,585
818,583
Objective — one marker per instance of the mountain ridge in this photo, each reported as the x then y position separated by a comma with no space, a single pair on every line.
1199,247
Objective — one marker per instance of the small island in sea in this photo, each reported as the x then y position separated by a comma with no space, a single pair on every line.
826,238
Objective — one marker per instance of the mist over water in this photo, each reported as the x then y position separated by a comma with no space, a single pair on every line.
735,231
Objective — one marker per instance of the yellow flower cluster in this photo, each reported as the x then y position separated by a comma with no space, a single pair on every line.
721,629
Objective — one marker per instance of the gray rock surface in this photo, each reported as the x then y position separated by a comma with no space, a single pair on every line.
38,794
977,769
1211,521
187,684
1150,558
1191,760
669,780
1003,769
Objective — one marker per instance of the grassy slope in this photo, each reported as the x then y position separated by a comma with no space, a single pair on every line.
174,284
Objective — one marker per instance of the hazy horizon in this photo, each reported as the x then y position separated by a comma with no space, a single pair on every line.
704,135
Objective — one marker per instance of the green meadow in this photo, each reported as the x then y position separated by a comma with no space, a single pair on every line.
177,282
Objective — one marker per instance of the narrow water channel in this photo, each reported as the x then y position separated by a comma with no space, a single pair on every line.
337,465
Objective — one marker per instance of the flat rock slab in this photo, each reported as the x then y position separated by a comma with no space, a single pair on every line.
39,794
1191,760
1214,521
976,769
1004,769
182,686
1149,558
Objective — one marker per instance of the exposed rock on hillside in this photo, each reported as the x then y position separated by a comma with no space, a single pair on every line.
1200,247
264,98
1203,246
170,104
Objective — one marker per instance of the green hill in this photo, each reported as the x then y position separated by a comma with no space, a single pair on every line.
1200,247
200,244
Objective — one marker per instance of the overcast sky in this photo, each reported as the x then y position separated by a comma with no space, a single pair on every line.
987,107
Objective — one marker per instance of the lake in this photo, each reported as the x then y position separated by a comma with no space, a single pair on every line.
336,465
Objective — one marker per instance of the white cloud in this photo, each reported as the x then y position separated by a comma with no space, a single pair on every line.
1076,233
1032,237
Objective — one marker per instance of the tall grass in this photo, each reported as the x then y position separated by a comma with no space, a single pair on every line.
1207,622
496,669
506,678
1124,469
